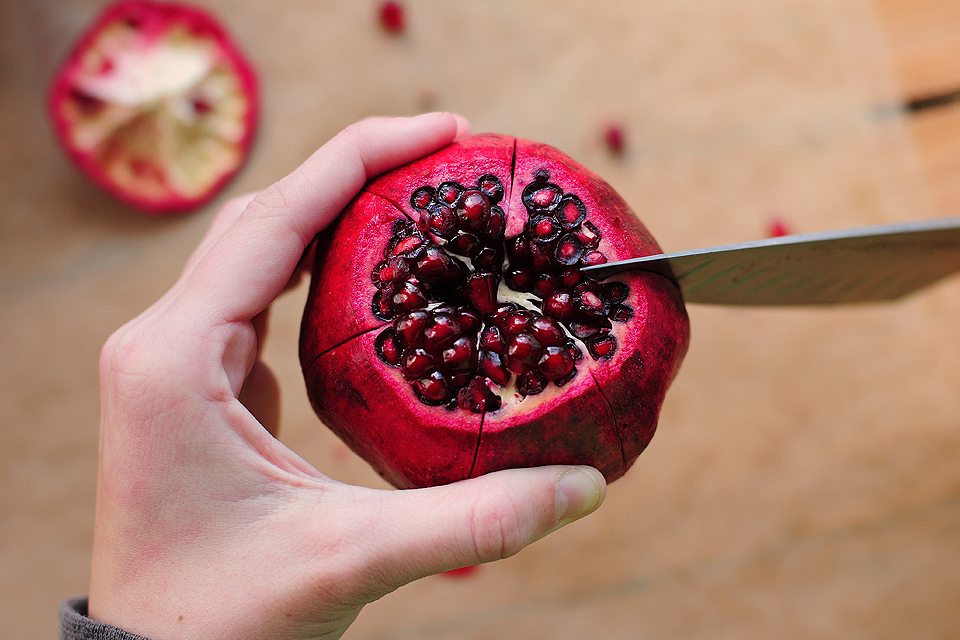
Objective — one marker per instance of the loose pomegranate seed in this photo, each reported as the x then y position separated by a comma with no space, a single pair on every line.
614,138
777,228
392,16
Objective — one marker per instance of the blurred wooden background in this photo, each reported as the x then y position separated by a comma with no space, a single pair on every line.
805,480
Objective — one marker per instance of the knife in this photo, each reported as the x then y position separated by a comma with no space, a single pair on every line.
864,264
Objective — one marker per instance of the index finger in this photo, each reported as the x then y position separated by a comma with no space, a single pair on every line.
248,267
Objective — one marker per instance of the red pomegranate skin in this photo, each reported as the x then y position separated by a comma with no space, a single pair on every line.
604,417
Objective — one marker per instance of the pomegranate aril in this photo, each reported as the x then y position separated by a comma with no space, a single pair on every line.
515,322
621,313
409,327
489,259
491,364
545,284
602,348
409,297
465,244
440,331
492,339
571,211
391,16
585,330
589,235
472,211
470,320
448,193
523,352
437,267
433,389
519,279
569,278
388,348
417,363
481,290
544,229
389,273
593,258
491,187
477,397
555,363
589,300
461,356
518,249
407,246
540,195
530,383
443,222
559,305
382,305
423,198
547,331
616,292
540,256
496,224
568,250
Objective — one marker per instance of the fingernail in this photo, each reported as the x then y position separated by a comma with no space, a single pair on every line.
579,491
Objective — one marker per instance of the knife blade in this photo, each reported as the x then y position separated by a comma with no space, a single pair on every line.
865,264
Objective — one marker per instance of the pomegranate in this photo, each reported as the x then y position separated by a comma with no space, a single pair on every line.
156,104
449,331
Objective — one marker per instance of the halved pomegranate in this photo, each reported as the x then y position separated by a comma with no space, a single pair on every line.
449,331
156,104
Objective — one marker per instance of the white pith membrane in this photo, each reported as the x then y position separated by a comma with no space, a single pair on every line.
159,114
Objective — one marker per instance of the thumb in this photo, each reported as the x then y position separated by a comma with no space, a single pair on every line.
484,519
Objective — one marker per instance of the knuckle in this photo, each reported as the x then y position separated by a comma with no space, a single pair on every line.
498,527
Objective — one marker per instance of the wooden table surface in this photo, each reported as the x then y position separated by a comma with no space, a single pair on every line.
805,478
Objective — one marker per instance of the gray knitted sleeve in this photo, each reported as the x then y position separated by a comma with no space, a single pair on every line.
75,625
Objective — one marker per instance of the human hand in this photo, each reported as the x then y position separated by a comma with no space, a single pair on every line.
207,526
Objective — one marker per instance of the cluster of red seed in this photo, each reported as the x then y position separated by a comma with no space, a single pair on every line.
451,337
